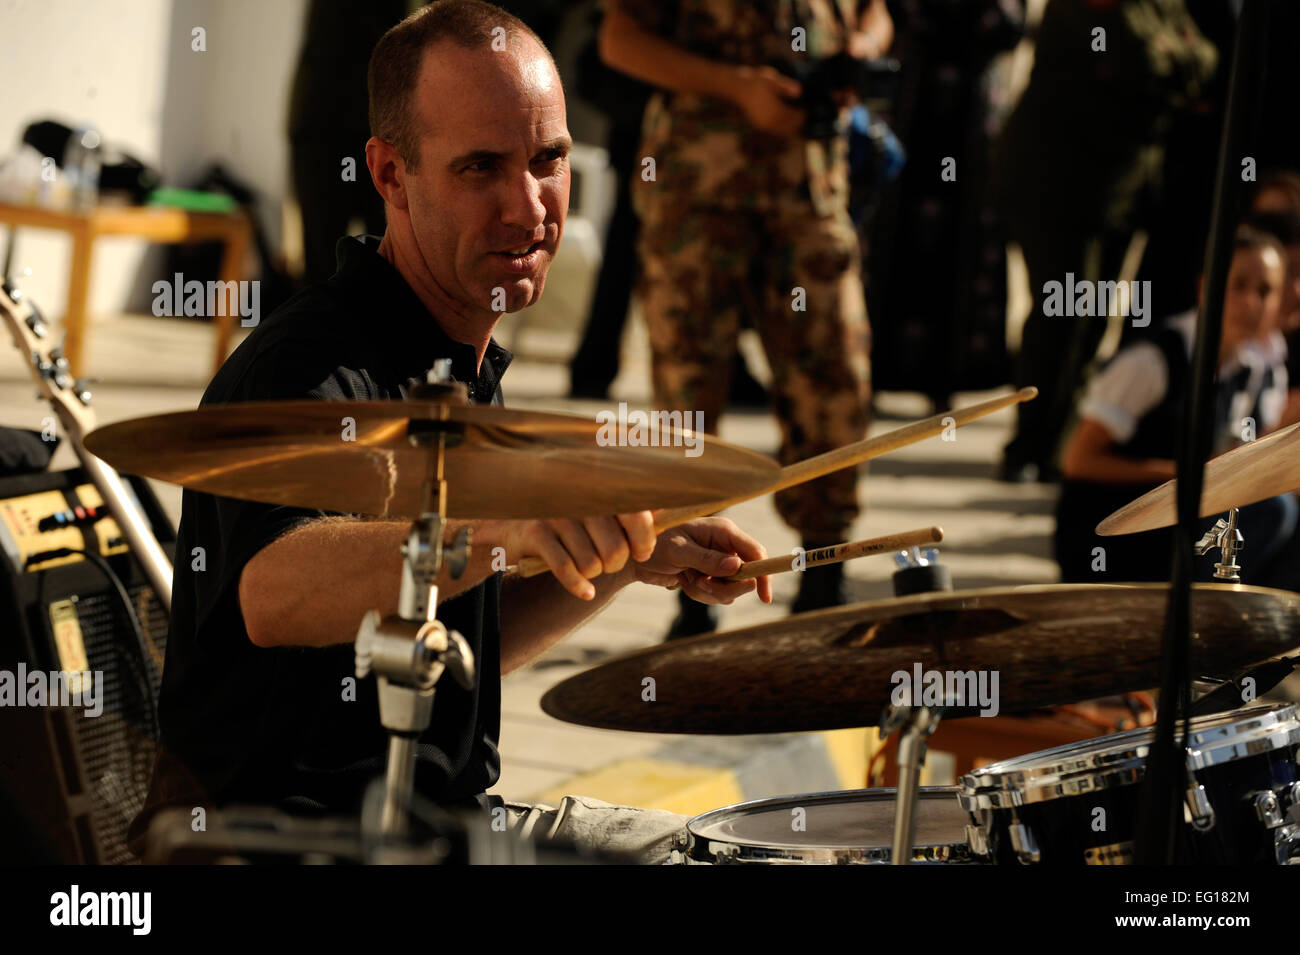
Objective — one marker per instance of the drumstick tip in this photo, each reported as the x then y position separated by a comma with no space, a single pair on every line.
1027,393
936,534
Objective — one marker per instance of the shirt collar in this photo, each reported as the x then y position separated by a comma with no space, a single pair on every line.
397,303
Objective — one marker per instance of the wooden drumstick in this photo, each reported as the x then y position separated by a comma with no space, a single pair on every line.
837,553
822,464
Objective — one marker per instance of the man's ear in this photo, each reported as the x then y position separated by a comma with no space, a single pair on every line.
387,171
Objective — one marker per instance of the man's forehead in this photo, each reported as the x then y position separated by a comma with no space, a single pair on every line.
484,94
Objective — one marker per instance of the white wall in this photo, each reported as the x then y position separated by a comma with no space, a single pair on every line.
128,67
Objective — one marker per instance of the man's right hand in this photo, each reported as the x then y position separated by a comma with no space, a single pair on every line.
768,99
574,550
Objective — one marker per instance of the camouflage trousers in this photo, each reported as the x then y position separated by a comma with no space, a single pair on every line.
797,277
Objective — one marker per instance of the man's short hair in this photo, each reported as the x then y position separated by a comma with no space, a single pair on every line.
395,61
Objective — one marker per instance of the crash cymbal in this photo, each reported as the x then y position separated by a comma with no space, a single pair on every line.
836,668
358,457
1242,476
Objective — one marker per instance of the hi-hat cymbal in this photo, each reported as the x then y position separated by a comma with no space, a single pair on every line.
1242,476
358,457
837,668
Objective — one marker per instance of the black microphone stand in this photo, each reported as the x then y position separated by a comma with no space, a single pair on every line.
1160,808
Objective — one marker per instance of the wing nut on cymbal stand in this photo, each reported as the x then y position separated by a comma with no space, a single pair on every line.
1225,536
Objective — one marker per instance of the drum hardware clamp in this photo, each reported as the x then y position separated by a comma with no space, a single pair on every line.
1225,536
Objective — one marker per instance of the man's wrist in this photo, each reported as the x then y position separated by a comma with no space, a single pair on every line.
625,576
731,82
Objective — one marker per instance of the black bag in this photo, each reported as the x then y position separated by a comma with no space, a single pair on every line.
118,171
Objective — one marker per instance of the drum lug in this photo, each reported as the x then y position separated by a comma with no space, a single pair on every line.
977,841
1293,803
1268,810
1022,841
1198,810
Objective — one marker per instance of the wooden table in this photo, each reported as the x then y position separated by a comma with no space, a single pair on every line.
154,223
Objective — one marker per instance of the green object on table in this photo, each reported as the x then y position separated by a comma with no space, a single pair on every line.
191,200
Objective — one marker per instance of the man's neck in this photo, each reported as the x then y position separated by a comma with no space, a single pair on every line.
456,322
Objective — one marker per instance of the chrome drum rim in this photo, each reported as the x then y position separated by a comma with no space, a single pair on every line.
1108,762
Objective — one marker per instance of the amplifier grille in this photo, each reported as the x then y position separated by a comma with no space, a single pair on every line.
117,747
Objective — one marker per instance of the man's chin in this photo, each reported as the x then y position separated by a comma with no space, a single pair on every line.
516,294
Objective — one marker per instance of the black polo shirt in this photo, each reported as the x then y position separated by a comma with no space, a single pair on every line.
243,724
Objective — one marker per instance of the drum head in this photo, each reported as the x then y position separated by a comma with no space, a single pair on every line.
854,826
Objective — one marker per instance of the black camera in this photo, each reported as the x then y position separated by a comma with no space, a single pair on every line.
874,81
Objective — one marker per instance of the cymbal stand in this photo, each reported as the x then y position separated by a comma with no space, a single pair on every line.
915,723
1225,536
919,572
409,652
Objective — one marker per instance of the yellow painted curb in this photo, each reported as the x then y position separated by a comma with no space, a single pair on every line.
655,784
849,751
692,789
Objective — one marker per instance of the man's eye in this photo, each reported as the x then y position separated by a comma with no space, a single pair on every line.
551,155
483,165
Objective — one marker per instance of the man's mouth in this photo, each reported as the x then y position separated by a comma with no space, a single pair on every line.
523,259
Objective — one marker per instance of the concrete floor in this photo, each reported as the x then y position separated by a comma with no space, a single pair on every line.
996,534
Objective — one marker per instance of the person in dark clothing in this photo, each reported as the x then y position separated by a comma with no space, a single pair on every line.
1131,424
936,265
328,125
1073,173
469,151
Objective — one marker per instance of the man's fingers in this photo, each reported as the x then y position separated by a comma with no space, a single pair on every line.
573,534
656,579
712,563
788,86
561,565
611,543
728,537
639,529
707,590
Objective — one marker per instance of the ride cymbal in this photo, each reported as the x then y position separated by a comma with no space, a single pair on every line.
837,668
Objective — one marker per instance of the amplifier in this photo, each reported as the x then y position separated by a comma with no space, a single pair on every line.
78,691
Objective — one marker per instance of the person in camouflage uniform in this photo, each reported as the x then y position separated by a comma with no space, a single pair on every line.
742,211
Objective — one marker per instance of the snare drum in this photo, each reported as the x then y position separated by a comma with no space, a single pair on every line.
1077,804
841,828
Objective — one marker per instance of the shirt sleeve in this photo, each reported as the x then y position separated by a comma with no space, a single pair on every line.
231,531
1126,390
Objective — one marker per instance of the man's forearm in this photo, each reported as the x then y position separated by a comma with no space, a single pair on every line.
311,587
537,611
628,47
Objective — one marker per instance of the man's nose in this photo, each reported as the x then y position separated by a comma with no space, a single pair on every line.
521,204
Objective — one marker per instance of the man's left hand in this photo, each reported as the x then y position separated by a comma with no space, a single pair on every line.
695,554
